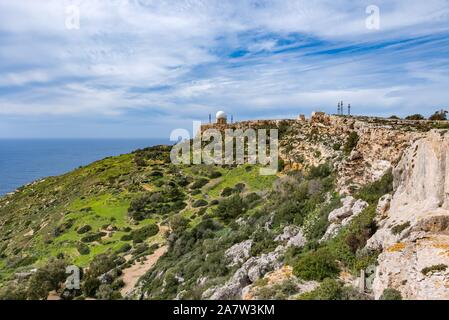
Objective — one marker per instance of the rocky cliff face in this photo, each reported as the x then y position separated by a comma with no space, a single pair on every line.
414,233
378,147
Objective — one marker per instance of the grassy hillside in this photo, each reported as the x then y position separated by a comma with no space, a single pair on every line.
115,213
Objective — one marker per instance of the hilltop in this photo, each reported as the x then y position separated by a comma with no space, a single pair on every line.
356,195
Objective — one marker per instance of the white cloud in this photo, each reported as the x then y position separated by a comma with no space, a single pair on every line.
176,54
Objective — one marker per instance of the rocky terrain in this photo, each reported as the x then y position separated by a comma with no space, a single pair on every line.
359,210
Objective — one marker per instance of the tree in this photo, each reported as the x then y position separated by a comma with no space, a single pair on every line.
439,115
415,117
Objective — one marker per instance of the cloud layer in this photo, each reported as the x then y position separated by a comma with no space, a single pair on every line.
144,67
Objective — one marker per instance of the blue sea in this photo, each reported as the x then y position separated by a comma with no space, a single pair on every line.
25,160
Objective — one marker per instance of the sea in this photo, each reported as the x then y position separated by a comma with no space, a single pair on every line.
25,160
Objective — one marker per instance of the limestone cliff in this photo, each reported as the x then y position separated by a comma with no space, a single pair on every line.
414,233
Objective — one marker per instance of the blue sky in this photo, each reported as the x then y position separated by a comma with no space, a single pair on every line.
141,68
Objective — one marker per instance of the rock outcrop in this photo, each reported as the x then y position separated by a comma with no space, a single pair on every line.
255,267
414,231
341,217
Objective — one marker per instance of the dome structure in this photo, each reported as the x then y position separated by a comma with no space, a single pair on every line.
221,115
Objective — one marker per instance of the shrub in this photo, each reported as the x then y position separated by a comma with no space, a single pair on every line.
84,229
178,223
336,146
415,117
137,207
351,142
316,265
439,116
239,187
144,233
46,279
321,171
63,227
215,174
124,248
397,229
198,184
199,203
391,294
226,192
435,268
90,286
372,192
106,292
93,237
82,248
329,289
231,208
103,263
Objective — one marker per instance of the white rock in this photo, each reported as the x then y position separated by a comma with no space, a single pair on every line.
239,252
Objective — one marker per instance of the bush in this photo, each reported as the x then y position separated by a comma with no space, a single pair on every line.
351,142
397,229
199,203
435,268
415,117
439,116
372,192
198,184
391,294
316,265
106,292
84,229
90,286
231,208
82,248
320,172
93,237
124,248
329,289
137,207
178,223
215,174
46,279
144,233
226,192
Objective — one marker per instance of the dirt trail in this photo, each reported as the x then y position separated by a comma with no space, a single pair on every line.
132,274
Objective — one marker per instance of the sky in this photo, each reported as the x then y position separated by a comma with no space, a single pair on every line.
142,68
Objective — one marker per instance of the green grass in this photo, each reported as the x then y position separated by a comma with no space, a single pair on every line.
252,179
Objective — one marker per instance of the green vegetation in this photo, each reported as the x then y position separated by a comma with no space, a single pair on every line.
331,289
121,207
397,229
440,115
351,142
391,294
317,265
415,117
435,268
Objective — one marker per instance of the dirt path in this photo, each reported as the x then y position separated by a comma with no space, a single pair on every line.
132,274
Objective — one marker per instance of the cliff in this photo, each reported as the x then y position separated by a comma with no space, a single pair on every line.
356,195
